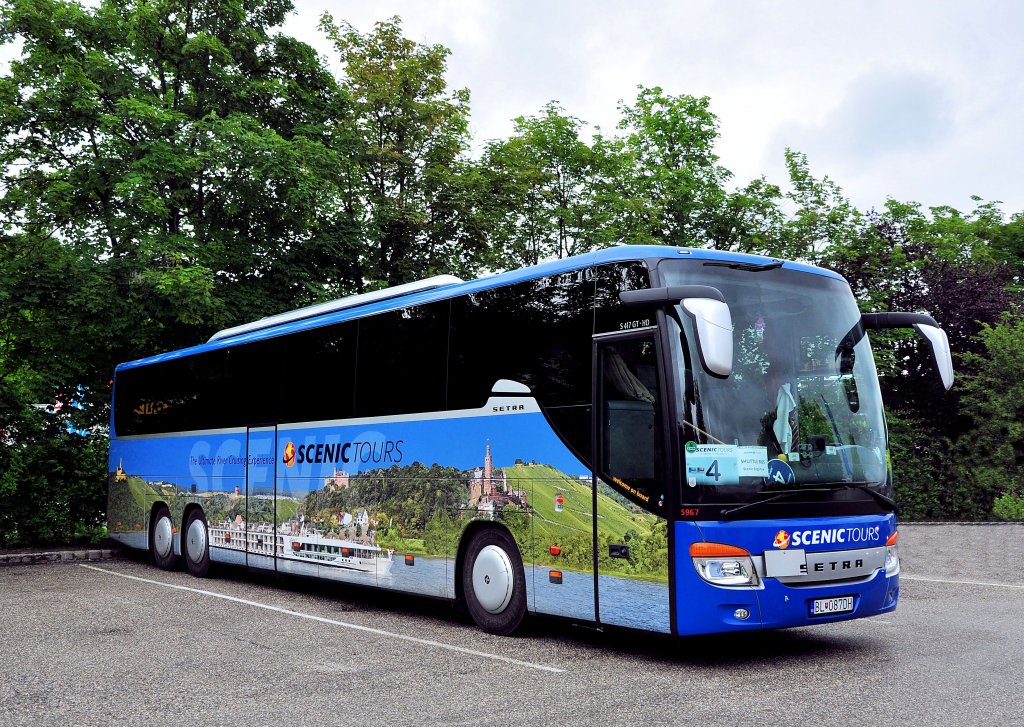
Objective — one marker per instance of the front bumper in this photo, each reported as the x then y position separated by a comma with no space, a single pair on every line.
703,608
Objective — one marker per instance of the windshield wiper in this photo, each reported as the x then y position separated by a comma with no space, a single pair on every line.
826,487
750,267
878,496
777,496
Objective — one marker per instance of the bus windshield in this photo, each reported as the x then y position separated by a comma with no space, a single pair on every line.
802,408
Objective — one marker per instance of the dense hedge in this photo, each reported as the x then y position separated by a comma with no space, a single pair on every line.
52,484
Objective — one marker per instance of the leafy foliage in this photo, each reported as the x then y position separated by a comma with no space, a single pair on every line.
48,483
410,135
173,167
548,200
994,401
1009,506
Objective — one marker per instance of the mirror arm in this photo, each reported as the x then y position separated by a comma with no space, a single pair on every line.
926,326
668,296
878,321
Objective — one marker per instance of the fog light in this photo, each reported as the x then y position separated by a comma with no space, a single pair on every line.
741,613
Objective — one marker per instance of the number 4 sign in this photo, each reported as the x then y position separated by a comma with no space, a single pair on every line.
723,464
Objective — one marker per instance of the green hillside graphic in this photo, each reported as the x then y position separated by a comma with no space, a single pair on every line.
547,482
417,509
572,529
129,500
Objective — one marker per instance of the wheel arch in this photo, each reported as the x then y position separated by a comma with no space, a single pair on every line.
151,520
163,562
157,504
188,511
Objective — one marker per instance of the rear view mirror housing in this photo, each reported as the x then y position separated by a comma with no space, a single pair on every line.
713,323
711,317
939,342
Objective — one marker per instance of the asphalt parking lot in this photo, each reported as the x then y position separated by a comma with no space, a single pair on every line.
122,642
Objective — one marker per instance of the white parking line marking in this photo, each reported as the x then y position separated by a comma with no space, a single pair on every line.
321,619
960,583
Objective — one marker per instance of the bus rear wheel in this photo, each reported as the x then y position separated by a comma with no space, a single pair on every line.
493,582
161,539
197,544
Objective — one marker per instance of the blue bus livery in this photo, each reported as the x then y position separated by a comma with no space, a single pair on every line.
674,440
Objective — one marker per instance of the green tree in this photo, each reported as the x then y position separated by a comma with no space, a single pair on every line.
167,171
169,167
991,462
925,486
411,136
824,218
545,191
518,523
672,186
49,477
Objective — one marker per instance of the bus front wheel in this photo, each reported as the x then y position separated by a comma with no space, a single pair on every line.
197,544
161,539
493,582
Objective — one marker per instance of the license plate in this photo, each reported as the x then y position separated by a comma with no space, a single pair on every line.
829,606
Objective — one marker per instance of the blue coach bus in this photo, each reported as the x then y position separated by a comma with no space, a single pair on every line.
675,440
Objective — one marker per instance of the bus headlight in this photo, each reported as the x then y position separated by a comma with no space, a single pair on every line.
723,565
892,555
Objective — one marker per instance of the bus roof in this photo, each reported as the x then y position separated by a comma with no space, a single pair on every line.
431,294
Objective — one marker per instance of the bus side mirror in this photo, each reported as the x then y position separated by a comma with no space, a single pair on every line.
939,342
713,323
927,327
712,319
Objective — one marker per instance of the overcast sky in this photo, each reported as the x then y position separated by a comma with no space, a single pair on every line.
920,100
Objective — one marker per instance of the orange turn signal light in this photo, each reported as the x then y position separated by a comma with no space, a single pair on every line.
715,550
555,576
410,560
892,539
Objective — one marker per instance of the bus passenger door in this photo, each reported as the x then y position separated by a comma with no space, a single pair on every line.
630,527
260,476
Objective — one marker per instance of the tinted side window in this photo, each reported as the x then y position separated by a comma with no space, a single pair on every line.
402,361
537,333
178,395
319,375
253,389
609,313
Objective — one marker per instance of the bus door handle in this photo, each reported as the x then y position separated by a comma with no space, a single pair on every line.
616,550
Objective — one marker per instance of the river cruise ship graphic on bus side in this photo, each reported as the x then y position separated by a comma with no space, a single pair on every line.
307,545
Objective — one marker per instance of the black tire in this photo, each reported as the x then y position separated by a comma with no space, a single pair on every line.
195,543
161,539
496,610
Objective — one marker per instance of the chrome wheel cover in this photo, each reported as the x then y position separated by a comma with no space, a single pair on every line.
195,541
163,535
493,579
